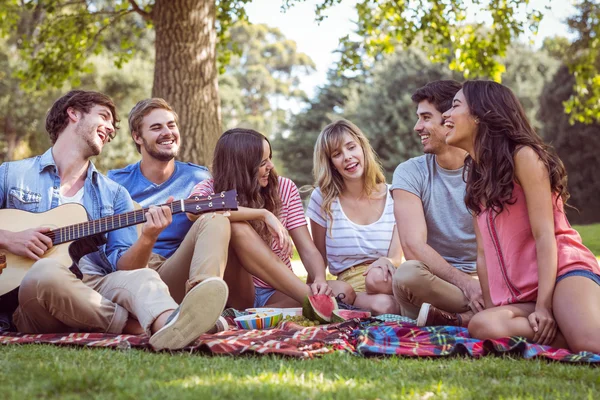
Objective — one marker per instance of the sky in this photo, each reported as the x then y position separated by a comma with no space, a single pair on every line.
319,41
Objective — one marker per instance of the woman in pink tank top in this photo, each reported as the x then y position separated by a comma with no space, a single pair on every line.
538,279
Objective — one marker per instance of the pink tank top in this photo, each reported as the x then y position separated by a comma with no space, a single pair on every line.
510,253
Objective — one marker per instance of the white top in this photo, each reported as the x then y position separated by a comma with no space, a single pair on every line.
76,198
349,244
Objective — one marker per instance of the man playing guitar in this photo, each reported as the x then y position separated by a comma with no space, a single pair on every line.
117,293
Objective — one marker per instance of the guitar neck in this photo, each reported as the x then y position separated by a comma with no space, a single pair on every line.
107,224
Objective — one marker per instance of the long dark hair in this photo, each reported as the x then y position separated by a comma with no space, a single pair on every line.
236,161
503,129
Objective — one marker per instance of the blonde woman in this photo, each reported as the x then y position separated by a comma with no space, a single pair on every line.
352,217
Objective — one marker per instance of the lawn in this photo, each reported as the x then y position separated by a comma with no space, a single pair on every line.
41,371
591,236
37,371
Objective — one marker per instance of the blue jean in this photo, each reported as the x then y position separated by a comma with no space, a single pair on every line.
580,272
262,295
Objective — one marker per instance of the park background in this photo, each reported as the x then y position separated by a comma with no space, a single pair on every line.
290,85
269,65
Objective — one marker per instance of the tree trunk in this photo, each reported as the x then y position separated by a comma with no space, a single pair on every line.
185,73
11,138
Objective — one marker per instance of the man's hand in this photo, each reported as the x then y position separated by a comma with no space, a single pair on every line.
31,243
472,291
386,266
157,219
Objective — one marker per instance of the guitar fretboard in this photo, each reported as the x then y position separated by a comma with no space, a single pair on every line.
105,224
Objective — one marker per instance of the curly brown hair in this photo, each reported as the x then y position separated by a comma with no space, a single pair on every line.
502,130
236,161
57,118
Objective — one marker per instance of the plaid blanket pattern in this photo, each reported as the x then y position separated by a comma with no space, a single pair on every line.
406,339
368,337
288,339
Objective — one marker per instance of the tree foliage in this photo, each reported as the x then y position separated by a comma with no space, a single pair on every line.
381,106
576,144
440,28
262,78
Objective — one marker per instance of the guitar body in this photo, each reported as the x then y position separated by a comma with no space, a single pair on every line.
18,220
74,236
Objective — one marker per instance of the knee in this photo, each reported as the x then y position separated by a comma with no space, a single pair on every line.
217,224
384,305
44,273
409,275
482,327
45,276
375,282
345,292
241,229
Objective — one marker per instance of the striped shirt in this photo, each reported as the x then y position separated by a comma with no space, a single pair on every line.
291,214
349,244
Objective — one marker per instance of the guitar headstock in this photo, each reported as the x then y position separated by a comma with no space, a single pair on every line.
223,201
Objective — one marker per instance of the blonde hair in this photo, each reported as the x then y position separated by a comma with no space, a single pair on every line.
327,178
143,108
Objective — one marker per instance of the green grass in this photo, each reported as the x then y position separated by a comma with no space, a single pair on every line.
591,236
41,371
38,371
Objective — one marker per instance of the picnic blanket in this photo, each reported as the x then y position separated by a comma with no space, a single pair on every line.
367,337
288,339
406,339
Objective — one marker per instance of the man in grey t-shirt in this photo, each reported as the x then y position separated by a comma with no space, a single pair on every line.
438,284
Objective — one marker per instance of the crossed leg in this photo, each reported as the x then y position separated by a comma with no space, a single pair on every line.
575,308
379,298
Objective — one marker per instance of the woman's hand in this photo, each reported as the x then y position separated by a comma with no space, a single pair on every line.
386,266
543,324
280,234
320,287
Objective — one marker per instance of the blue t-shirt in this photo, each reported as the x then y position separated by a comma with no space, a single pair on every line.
146,193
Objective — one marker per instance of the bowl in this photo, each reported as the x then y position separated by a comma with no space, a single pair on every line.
263,320
291,312
287,312
263,310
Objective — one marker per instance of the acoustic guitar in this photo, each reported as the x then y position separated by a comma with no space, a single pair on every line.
73,235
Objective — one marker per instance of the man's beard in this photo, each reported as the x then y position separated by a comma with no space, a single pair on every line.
166,155
89,132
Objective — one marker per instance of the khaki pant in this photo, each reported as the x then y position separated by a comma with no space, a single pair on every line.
52,299
415,284
202,254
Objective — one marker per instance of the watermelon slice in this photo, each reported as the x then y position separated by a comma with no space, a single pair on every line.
344,315
319,307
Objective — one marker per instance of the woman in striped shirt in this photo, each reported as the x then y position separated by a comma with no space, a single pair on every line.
352,217
259,271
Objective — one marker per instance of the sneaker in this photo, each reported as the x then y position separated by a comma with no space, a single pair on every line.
432,316
200,309
220,326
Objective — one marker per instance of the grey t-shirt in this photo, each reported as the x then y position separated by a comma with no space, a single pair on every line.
442,192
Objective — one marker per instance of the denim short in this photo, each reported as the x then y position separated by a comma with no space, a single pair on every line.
580,272
262,295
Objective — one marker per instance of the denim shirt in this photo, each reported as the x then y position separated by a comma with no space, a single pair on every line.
33,185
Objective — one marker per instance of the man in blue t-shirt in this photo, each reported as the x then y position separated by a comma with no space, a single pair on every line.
185,253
